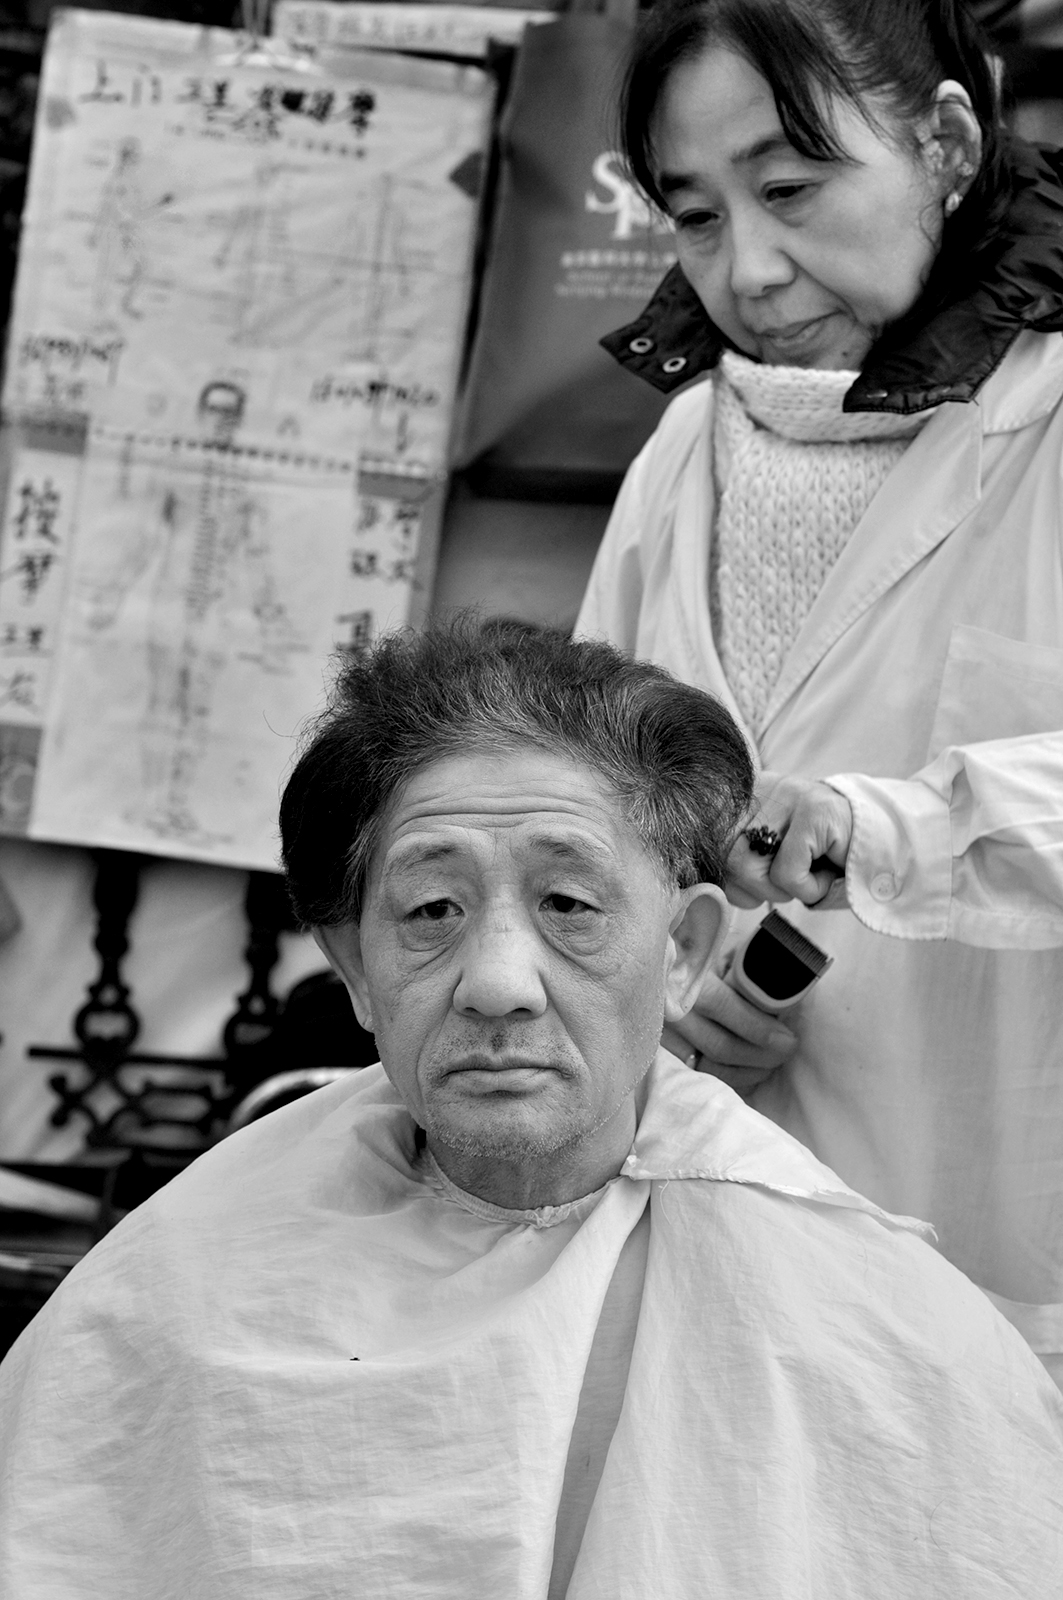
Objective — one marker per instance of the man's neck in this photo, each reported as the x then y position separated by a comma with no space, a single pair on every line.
535,1179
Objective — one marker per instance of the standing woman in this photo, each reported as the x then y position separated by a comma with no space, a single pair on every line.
853,533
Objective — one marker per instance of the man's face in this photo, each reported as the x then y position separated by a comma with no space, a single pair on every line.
514,956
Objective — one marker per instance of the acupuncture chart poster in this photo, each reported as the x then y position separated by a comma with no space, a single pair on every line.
227,401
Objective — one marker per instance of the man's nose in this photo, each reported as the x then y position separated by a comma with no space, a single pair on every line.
758,261
501,971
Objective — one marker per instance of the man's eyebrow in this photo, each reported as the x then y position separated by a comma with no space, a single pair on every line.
670,182
574,852
404,856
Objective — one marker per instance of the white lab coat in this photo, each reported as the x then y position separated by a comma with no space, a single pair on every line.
817,1408
927,684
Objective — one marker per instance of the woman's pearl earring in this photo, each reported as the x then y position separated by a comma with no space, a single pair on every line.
952,201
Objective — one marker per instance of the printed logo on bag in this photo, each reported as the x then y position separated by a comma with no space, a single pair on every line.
625,263
629,205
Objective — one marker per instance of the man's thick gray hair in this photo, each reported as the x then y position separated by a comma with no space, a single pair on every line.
672,756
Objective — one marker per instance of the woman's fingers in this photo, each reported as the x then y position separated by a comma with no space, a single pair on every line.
741,1079
812,824
726,1031
679,1046
749,879
815,845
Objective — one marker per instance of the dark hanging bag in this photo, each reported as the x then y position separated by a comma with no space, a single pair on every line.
575,252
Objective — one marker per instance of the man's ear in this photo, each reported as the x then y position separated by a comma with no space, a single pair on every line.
342,946
698,930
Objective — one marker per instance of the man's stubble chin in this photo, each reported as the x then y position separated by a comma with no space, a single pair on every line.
510,1132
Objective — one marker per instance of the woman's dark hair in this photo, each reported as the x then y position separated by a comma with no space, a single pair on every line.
672,755
814,51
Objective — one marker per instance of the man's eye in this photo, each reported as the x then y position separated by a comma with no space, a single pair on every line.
434,911
565,904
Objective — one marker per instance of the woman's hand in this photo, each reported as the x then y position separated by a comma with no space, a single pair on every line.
815,824
729,1037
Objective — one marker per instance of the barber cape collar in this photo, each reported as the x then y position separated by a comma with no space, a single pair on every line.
946,357
694,1127
691,1126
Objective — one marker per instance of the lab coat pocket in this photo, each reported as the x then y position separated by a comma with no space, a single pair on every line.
996,688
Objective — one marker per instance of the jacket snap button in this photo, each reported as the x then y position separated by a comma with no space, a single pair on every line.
674,363
641,347
884,886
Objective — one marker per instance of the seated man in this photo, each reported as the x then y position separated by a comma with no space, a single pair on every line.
529,1310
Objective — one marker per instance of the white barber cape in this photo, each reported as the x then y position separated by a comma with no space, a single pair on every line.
818,1406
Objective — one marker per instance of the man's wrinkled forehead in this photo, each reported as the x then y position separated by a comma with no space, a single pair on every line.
550,806
426,845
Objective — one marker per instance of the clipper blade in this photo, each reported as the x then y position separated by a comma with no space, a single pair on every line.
778,965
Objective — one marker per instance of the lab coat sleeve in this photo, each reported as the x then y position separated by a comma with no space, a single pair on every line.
613,599
969,849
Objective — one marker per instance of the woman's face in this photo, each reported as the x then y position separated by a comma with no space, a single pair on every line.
799,262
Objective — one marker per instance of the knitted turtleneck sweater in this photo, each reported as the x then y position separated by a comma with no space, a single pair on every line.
794,476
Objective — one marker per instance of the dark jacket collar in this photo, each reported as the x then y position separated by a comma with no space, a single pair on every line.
948,355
